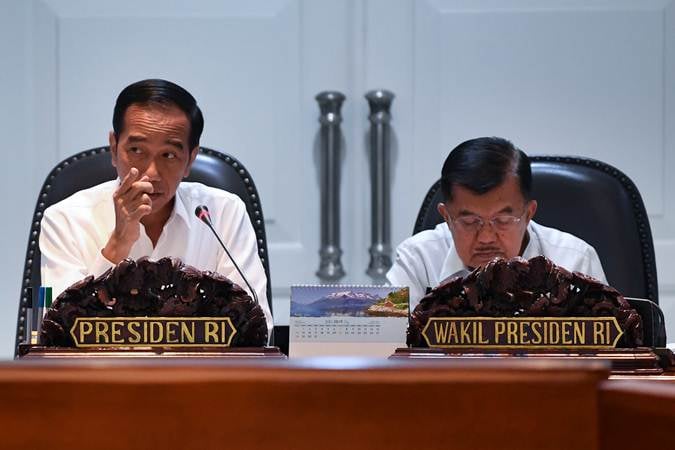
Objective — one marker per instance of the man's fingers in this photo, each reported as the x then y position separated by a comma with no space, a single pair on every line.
132,199
144,199
142,186
137,212
135,191
142,210
128,181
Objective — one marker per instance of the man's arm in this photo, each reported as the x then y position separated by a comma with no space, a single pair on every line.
63,261
404,272
238,235
67,256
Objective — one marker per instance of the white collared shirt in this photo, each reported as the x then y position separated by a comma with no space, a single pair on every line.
75,230
429,257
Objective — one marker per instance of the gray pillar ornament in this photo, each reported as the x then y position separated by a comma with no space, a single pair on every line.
379,102
330,253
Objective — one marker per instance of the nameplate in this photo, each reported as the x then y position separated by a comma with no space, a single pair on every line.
522,332
152,331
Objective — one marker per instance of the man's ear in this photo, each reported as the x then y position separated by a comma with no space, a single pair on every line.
531,209
112,142
193,155
443,211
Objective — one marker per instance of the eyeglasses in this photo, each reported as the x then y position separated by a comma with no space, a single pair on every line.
473,224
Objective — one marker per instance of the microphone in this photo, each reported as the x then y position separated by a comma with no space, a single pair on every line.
202,213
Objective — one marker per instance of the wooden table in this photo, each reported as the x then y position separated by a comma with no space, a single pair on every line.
326,403
637,414
309,404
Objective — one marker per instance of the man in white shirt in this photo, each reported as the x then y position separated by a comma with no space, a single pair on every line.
148,210
488,213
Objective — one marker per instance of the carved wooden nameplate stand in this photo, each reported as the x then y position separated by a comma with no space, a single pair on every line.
559,338
637,361
150,337
32,352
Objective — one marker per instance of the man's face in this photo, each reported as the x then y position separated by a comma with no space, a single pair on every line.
154,140
489,225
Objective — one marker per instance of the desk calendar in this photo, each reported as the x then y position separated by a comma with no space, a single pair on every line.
347,320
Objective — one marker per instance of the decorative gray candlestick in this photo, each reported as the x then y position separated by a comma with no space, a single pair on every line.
330,266
380,154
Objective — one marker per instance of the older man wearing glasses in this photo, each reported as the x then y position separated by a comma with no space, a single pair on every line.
488,211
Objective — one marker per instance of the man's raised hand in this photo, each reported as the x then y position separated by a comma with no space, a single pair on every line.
132,201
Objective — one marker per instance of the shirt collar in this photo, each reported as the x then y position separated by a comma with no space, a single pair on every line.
453,264
534,246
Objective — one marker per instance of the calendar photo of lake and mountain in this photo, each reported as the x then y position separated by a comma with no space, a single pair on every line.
350,301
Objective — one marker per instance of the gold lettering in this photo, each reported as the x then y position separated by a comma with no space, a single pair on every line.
500,329
481,339
85,325
452,333
210,331
222,332
512,332
567,333
536,331
554,333
579,333
523,334
598,336
135,336
520,331
116,332
156,332
101,332
464,332
171,330
187,334
441,331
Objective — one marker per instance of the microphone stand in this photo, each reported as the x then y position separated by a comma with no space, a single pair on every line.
207,220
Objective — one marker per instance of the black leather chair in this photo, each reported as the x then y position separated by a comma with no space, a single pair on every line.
92,167
602,206
595,202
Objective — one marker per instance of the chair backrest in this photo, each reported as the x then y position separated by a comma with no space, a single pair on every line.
595,202
92,167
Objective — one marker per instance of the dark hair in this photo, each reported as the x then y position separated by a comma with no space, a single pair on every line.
481,165
159,92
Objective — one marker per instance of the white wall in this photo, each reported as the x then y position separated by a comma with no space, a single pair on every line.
20,180
587,77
